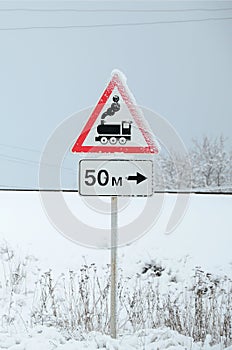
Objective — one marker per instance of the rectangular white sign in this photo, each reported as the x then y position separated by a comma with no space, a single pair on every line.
99,177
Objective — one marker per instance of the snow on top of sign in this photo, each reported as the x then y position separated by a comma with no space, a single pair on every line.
120,74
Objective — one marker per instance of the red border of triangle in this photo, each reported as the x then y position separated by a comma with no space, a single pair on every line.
116,81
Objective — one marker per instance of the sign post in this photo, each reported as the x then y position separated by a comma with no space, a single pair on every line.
116,126
114,282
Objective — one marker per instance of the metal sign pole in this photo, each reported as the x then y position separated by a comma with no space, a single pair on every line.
114,242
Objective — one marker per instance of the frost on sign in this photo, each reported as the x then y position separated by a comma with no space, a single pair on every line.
117,124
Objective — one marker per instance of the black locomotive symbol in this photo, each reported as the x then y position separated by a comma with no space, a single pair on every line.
113,132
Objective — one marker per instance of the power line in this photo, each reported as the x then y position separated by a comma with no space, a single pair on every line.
20,148
23,160
21,189
12,188
84,26
114,10
31,162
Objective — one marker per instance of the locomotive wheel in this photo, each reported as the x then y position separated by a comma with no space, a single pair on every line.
104,140
113,140
122,140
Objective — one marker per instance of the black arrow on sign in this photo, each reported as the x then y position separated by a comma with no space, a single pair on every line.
138,178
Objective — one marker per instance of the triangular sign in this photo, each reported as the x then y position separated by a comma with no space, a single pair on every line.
116,125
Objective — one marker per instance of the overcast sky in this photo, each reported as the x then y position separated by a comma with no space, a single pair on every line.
180,67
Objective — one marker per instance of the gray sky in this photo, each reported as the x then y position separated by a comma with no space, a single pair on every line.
183,71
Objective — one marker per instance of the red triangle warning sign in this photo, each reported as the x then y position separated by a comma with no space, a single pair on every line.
116,125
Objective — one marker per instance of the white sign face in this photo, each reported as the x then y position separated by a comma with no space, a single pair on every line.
99,177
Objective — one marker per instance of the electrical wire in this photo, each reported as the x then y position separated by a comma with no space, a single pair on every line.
30,162
23,160
112,25
14,188
190,191
114,10
20,148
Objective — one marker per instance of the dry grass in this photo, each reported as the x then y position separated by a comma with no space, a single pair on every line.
78,302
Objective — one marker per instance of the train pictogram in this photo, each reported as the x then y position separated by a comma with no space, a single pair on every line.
120,132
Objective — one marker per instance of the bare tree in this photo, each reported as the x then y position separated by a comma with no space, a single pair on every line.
211,167
210,162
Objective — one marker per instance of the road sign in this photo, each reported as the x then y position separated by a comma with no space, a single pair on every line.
98,177
116,124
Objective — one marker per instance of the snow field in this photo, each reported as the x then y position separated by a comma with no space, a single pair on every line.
37,301
149,339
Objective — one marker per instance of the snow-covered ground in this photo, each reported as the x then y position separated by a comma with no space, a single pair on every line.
150,339
202,239
204,233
